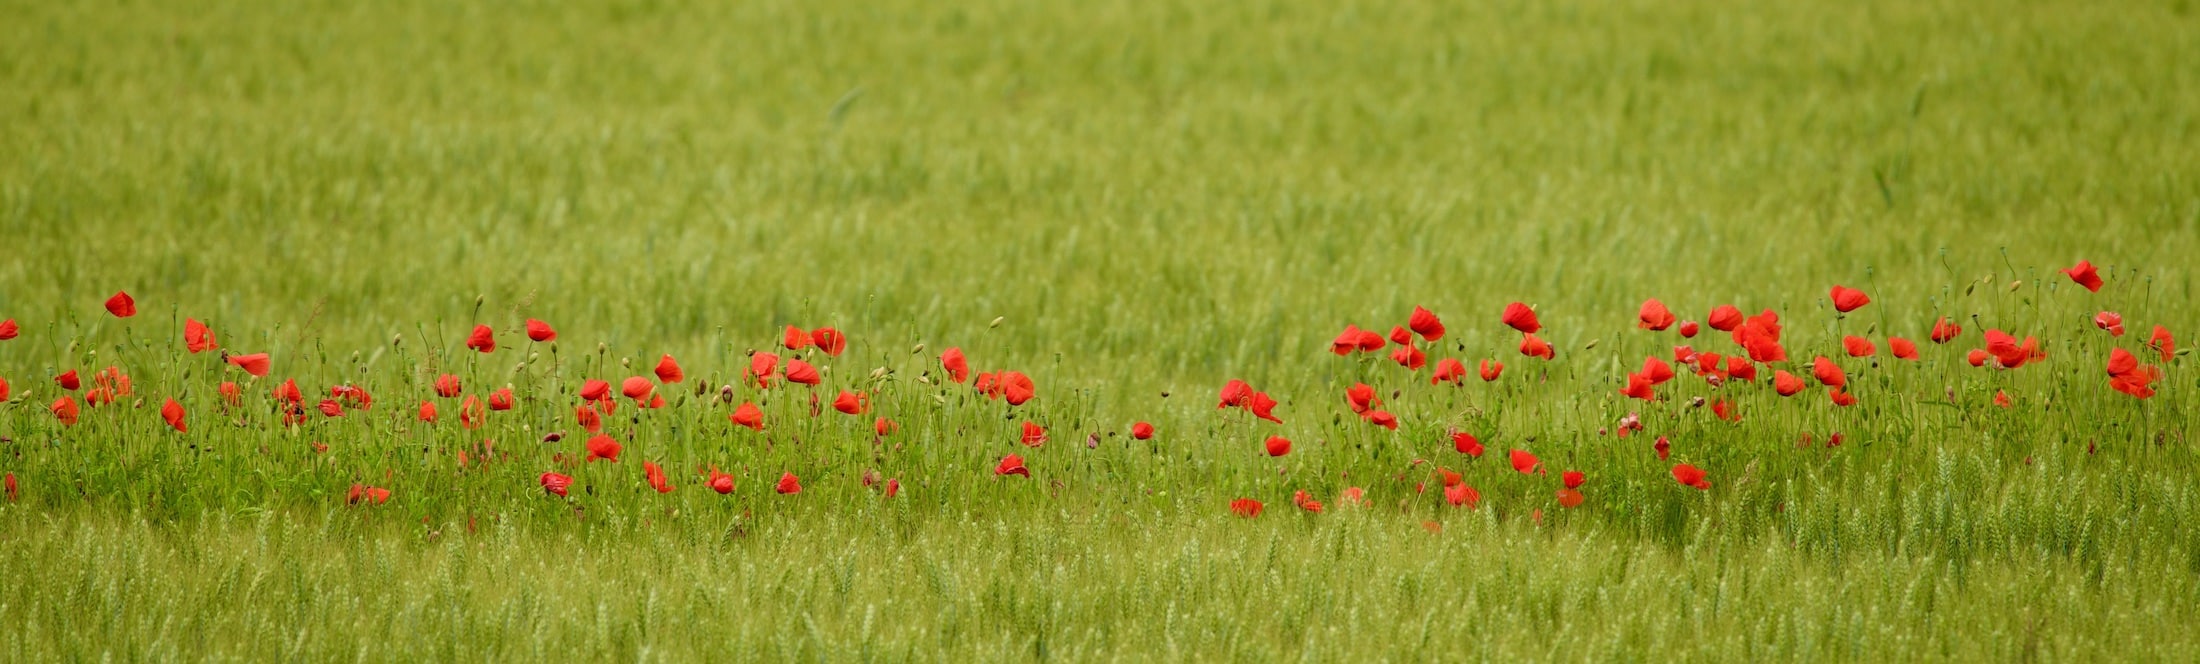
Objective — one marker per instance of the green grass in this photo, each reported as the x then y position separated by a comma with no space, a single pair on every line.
1150,199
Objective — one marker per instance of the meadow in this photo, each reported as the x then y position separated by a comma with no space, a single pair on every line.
1131,204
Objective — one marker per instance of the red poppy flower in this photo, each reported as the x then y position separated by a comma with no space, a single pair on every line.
1011,465
1857,346
427,411
483,339
2006,350
1569,498
1656,370
1361,397
801,372
288,391
1740,368
1724,318
1382,418
1786,383
1465,443
1425,323
8,329
196,337
1525,462
1409,357
172,413
2122,363
1846,299
3,390
1141,430
761,366
1664,447
1278,446
1449,370
1034,435
555,483
637,388
1263,407
829,340
1688,329
668,371
957,366
2110,321
68,381
1685,355
1654,316
501,399
1245,507
2161,342
2085,274
1828,373
10,481
1017,387
1235,393
540,331
1573,478
884,427
1842,398
1522,318
658,401
603,447
1353,338
1944,331
1726,410
1461,495
231,394
1639,387
1691,476
1353,496
1976,357
64,409
330,408
656,477
788,484
1306,502
720,482
1902,348
1491,369
447,386
795,338
1399,335
851,402
470,413
2001,399
1535,347
121,305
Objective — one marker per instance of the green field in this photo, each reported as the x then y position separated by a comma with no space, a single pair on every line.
1132,203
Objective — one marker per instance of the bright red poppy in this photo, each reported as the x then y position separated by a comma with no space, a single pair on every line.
656,477
482,339
1846,299
501,399
1361,398
1355,339
1857,346
851,403
603,447
2086,275
121,305
1902,348
64,409
1786,383
1726,410
540,331
330,408
2121,362
1245,507
470,413
1235,393
957,366
829,340
720,482
1663,447
1532,346
1278,446
2001,399
1263,407
1410,357
1491,369
801,372
427,411
637,388
1724,318
1944,331
1425,323
197,338
1828,373
668,371
1522,318
1382,418
1399,335
288,391
555,483
1569,498
884,427
788,484
1656,370
8,329
1654,316
2163,343
1639,387
2111,322
1141,430
1461,495
1573,478
1689,329
1011,465
4,390
1525,462
795,338
1976,357
172,413
68,380
1691,476
761,366
1017,388
1740,368
1842,398
1306,501
1034,435
748,415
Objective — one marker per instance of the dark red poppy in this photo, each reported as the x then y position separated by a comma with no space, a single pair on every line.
1011,465
8,329
1245,507
1654,316
1399,335
1724,318
1425,323
1263,407
1410,357
1461,495
555,483
720,482
427,411
1664,447
1691,476
1382,418
1902,348
1857,346
121,305
1688,329
1828,373
540,331
603,447
795,338
1235,393
482,339
1034,435
1846,299
801,372
1491,369
1464,443
1361,397
851,403
1532,346
1449,370
2163,343
1786,383
172,413
68,380
1525,462
1141,430
668,371
788,484
1278,446
957,366
829,340
196,337
1522,318
2085,274
656,477
64,409
501,399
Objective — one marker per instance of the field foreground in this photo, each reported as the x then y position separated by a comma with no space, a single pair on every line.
1116,330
